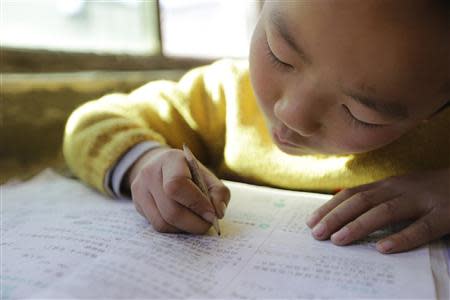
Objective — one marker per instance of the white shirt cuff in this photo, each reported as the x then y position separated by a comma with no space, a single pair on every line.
114,176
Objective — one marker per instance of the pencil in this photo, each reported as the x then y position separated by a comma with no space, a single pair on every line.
199,181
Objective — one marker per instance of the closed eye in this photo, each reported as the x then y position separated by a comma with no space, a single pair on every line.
276,62
357,122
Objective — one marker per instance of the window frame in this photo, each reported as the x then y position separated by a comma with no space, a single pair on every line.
13,60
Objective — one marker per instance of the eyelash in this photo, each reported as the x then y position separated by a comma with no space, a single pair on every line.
356,122
276,62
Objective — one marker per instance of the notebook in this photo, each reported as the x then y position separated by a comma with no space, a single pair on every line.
61,239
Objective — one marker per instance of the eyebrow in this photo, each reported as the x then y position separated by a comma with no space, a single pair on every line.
392,110
278,20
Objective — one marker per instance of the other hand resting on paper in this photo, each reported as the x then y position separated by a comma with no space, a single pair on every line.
354,213
164,193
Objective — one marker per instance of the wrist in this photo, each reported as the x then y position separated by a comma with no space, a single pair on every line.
140,163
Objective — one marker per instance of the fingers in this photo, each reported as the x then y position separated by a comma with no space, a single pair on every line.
349,209
145,205
220,196
370,210
355,213
164,193
181,217
218,192
340,197
178,186
164,214
424,230
389,212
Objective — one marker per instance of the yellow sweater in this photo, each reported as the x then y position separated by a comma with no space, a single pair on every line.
213,110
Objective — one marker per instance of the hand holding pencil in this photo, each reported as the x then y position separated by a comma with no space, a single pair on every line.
199,181
176,193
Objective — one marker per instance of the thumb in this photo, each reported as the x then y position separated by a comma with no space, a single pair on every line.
218,192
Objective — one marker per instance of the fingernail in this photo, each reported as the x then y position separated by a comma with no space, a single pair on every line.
209,216
223,208
385,246
319,230
340,236
312,219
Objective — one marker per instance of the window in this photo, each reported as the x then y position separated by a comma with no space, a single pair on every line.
126,26
68,35
207,28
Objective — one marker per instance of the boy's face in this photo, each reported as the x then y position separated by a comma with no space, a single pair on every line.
347,76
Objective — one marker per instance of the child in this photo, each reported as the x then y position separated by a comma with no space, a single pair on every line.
343,94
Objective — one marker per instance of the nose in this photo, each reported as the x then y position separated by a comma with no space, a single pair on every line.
300,115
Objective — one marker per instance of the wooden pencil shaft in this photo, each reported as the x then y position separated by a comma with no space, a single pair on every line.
194,168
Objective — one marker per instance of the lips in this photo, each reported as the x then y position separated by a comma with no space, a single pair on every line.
283,136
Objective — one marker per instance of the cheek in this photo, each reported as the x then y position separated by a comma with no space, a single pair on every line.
359,140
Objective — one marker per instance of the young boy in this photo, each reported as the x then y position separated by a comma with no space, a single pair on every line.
343,94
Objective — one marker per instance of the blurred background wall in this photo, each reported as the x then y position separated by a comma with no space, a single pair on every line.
58,54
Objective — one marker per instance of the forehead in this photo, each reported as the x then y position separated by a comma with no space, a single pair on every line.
377,46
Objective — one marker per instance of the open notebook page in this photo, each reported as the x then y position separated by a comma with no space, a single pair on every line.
64,240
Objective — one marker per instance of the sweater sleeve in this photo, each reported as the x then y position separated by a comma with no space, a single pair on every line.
115,176
190,111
